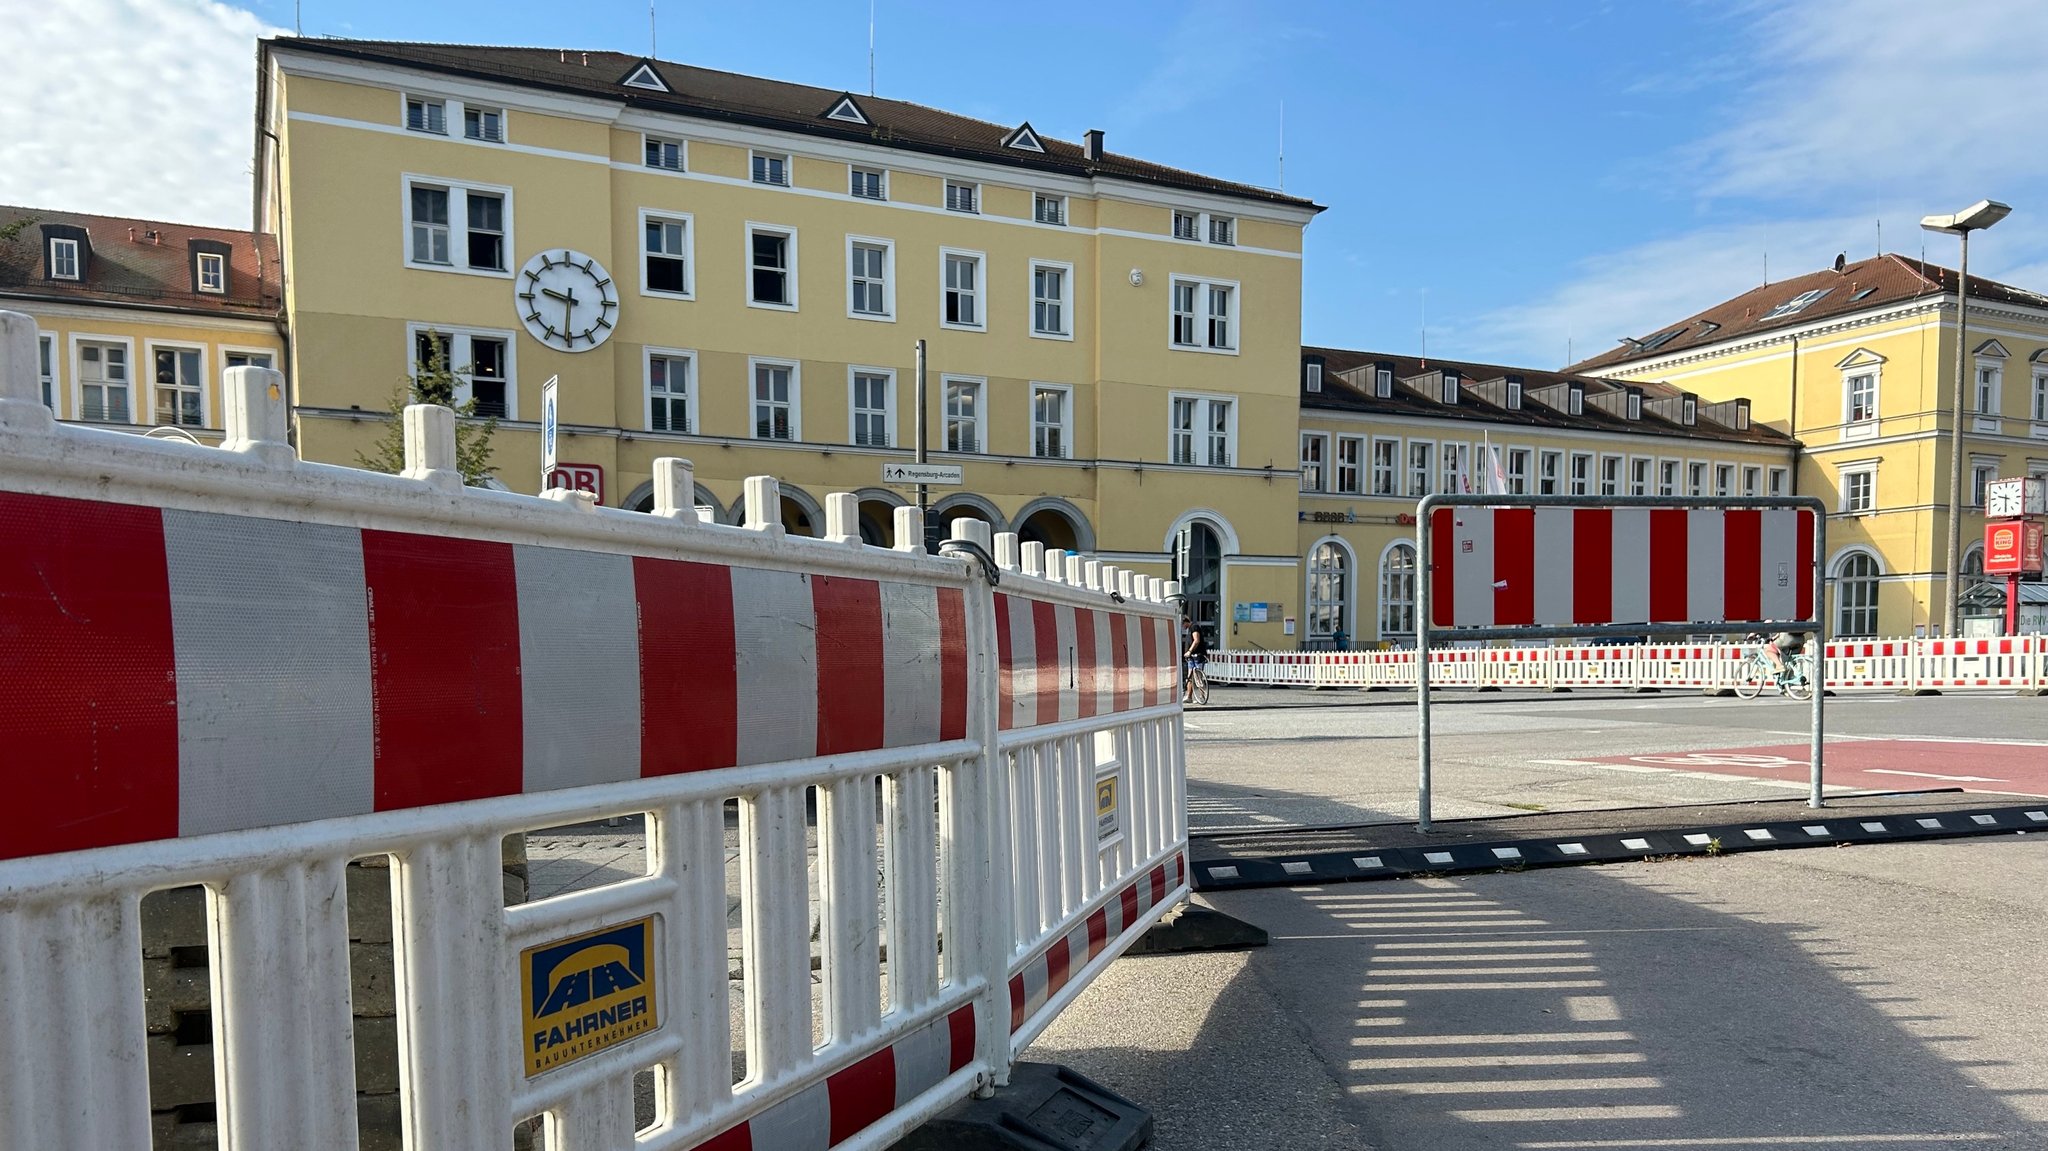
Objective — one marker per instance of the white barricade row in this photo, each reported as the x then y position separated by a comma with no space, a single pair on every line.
2009,663
233,669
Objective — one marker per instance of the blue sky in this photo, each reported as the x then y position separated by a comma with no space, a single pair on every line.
1537,175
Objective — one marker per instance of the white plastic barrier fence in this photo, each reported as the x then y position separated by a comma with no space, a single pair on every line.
2006,664
234,669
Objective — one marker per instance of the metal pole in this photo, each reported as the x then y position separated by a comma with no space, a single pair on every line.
1818,740
923,493
1422,572
1955,447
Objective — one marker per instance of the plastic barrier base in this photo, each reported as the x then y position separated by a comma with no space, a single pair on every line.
1192,927
1046,1107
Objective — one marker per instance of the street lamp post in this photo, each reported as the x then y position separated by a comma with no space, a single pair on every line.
1974,218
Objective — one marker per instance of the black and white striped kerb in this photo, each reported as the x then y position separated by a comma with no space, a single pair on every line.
1818,830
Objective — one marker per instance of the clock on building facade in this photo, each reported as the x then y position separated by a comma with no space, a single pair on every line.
567,300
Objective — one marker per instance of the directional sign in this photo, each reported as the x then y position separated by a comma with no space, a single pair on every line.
954,474
548,425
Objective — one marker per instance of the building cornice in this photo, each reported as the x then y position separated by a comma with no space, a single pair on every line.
165,315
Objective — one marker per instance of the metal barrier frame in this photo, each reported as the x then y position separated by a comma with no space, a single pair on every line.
1425,628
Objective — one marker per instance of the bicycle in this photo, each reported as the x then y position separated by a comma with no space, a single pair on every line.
1194,682
1796,682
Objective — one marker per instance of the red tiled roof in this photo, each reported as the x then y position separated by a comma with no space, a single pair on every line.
143,263
1356,394
1878,282
708,94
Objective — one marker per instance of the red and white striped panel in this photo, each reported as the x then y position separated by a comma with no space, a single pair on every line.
153,653
1036,980
854,1098
1880,664
1973,663
1061,663
1512,567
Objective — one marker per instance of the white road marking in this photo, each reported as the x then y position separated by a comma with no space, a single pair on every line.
1565,1114
1560,1059
1506,1086
1931,775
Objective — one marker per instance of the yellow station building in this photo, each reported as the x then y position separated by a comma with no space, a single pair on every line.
1858,363
136,319
737,270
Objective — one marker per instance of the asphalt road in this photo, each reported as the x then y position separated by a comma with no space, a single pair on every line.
1883,996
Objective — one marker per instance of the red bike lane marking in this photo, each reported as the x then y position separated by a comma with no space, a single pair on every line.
1874,764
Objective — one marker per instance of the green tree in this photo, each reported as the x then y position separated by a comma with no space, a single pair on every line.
433,381
10,231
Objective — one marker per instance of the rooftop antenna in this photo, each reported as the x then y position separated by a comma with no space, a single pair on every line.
1880,235
1283,145
871,47
298,18
1425,328
652,52
1767,267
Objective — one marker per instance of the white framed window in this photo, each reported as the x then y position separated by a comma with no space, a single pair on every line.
2040,405
1859,396
1582,473
871,407
103,380
1859,490
1397,591
1724,479
671,390
666,153
962,197
46,367
1696,479
1752,481
178,384
1549,473
63,259
1457,468
960,303
1990,383
1610,475
481,359
1329,593
1386,467
1049,209
1312,377
667,255
777,400
1639,475
426,114
771,168
963,411
1222,230
1315,450
867,183
1421,468
1780,481
1667,477
1856,583
456,227
1187,226
1383,382
870,278
487,124
1202,429
771,267
1350,464
1518,471
1575,401
213,272
1204,315
1982,472
1052,415
1052,312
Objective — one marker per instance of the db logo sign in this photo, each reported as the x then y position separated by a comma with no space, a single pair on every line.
579,478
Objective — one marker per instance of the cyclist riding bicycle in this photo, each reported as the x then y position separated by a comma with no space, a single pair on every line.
1197,657
1782,646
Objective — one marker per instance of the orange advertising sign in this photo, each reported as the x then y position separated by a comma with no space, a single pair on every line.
2012,546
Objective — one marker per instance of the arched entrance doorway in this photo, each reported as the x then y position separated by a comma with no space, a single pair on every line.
1056,524
1200,572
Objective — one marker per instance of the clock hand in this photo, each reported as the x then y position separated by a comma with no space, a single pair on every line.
552,292
568,312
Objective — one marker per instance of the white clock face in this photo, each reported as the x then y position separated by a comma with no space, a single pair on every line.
2003,500
567,300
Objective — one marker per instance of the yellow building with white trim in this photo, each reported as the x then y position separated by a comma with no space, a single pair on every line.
1858,363
737,271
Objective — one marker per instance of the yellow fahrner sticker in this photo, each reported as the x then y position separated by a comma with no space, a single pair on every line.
582,995
1106,822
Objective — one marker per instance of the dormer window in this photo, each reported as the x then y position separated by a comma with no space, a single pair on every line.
847,111
64,259
644,76
213,272
483,124
1312,376
1383,382
1450,389
1024,139
424,115
1635,406
1575,401
1689,411
1514,394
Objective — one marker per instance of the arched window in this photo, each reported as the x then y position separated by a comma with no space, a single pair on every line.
1397,592
1856,595
1201,577
1978,588
1328,581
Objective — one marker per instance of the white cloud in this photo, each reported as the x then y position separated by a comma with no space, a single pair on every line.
1853,111
131,107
